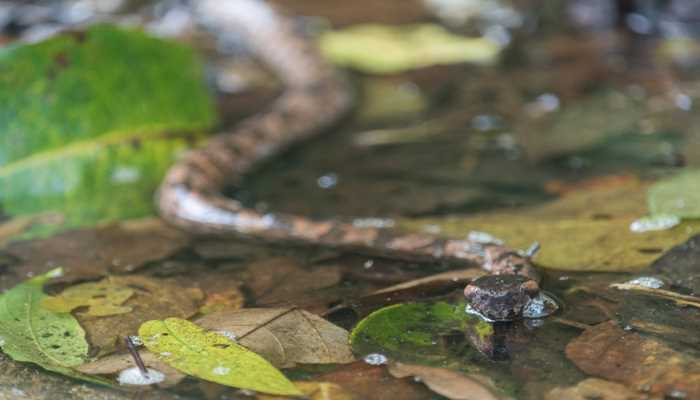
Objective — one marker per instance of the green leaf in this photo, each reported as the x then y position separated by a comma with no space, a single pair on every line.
383,49
213,357
411,331
102,298
28,332
89,119
679,195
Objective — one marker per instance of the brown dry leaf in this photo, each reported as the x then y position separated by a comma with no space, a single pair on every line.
92,253
153,299
609,352
113,364
370,382
593,388
284,336
282,280
448,383
315,391
229,299
597,221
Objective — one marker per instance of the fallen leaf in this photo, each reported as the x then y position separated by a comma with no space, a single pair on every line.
678,195
28,332
448,383
597,221
282,280
82,132
212,357
93,253
101,298
679,265
383,49
285,337
609,352
115,363
152,299
17,226
412,331
373,382
680,299
315,391
593,388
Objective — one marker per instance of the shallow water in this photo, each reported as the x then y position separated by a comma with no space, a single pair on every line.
569,125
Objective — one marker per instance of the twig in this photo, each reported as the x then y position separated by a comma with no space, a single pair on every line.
135,355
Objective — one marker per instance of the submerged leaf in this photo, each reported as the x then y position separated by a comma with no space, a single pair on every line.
28,332
102,299
213,357
448,383
383,49
679,195
284,337
315,391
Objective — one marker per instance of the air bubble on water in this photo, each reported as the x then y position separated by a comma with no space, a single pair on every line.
548,102
373,223
678,394
368,264
683,101
136,340
327,181
647,282
375,359
540,306
483,238
134,376
220,370
654,223
227,334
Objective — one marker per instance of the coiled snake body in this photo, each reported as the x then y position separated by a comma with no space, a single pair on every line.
315,97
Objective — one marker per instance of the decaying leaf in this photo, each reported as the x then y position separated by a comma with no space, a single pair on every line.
101,299
315,391
28,332
609,352
282,280
679,195
212,357
388,49
448,383
152,299
372,382
595,221
93,253
593,388
115,363
284,336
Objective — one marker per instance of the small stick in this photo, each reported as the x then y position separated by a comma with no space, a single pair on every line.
135,355
278,316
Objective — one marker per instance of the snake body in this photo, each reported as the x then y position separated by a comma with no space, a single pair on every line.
316,95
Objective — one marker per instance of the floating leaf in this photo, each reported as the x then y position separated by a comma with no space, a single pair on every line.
102,299
284,336
213,357
28,332
87,122
411,331
679,195
383,49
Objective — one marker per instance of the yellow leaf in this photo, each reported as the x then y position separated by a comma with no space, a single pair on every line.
213,357
102,299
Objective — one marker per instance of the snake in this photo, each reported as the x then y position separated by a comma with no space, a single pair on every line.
316,96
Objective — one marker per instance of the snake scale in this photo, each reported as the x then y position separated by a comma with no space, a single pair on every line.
316,95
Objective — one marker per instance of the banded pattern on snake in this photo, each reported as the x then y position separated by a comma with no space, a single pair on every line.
315,97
